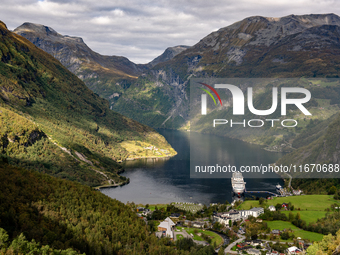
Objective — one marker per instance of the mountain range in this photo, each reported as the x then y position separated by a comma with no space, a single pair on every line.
108,76
157,94
291,46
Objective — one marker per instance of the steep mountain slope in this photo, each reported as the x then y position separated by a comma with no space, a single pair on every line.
107,76
325,149
291,46
50,119
320,144
67,215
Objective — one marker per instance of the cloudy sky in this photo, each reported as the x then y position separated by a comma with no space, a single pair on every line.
142,30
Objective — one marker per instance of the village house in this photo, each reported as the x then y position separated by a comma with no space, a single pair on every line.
275,232
256,242
222,218
255,212
293,250
233,215
166,228
272,208
197,224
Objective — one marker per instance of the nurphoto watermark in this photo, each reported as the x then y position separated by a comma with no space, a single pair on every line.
247,124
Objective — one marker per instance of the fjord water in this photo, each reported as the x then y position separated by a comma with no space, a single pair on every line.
168,180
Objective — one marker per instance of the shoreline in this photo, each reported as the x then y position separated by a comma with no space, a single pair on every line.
112,185
123,170
147,157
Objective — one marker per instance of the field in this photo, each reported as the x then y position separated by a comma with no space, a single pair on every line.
306,202
153,207
308,216
215,237
297,231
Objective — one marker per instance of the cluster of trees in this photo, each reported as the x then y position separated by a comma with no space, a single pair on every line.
316,186
286,235
20,245
162,213
328,245
330,224
253,228
270,216
279,247
334,191
187,244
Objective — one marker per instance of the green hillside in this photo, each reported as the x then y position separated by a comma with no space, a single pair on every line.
65,215
55,124
310,202
323,149
281,225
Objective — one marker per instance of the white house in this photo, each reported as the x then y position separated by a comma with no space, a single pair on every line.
197,224
255,212
222,218
166,227
272,208
293,250
234,215
245,213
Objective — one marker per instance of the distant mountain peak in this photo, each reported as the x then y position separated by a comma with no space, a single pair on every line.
169,54
36,28
28,29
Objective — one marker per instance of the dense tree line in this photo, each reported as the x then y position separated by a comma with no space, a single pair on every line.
328,245
67,215
316,186
20,245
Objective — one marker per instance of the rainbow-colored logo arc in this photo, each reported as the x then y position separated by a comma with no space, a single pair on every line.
204,97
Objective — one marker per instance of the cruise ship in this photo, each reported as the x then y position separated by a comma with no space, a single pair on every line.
238,184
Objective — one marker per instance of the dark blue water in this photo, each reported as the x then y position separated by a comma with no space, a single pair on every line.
168,180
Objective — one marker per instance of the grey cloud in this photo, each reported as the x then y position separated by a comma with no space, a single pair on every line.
141,30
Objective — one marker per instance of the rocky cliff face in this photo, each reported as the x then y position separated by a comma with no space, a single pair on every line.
74,54
105,75
291,46
108,76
